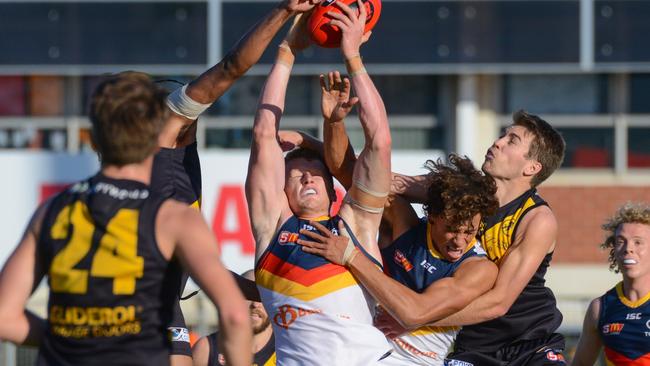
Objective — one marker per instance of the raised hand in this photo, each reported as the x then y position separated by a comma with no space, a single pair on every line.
352,27
336,249
299,6
336,103
297,38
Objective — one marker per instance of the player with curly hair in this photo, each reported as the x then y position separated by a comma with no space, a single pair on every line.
435,263
619,321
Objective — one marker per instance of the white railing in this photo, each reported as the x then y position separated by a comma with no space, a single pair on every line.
73,125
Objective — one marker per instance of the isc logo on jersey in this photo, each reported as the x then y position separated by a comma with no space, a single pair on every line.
613,328
287,237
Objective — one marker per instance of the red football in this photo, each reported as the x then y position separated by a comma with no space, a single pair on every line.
326,35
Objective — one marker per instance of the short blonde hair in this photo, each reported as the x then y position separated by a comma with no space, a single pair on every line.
629,213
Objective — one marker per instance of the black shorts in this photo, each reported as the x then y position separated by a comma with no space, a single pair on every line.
538,352
179,334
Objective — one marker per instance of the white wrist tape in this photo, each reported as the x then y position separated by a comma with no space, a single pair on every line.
350,251
181,103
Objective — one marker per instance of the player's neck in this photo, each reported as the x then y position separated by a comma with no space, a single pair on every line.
139,172
636,289
509,189
311,214
261,339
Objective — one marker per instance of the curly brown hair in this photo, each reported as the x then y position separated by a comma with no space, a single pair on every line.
629,213
457,191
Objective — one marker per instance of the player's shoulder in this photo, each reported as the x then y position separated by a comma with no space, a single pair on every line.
593,310
36,221
174,211
538,218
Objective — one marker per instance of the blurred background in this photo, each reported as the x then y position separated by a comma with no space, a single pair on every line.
451,73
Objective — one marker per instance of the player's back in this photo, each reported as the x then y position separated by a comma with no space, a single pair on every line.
108,301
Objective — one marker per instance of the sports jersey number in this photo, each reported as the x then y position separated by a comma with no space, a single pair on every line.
116,256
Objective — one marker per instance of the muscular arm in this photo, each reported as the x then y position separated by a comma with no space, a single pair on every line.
213,83
267,203
590,343
411,188
442,298
536,237
20,276
446,296
196,248
338,152
372,169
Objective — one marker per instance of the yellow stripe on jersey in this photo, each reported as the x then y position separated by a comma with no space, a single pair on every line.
627,302
271,361
433,329
497,239
296,290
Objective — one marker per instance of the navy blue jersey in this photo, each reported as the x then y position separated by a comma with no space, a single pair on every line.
413,260
177,174
624,328
107,302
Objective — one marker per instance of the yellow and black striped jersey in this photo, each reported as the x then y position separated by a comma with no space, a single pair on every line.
498,231
107,277
534,313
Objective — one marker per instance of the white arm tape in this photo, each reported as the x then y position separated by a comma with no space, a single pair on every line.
181,103
351,201
350,250
369,191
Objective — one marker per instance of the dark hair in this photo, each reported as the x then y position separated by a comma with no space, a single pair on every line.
127,112
547,146
311,155
457,191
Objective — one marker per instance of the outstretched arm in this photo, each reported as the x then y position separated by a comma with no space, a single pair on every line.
411,188
371,178
590,343
213,83
336,104
267,203
535,238
412,309
194,244
20,276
